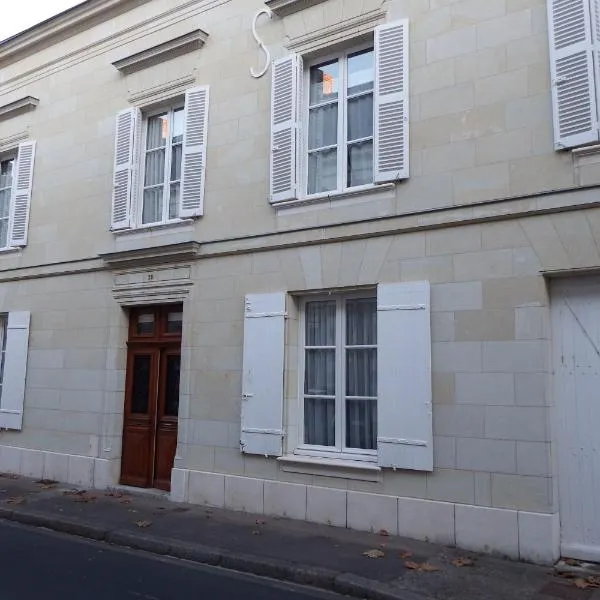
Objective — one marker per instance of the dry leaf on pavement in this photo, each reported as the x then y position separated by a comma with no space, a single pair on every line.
46,482
74,492
114,494
374,553
405,554
572,562
85,497
463,561
143,523
588,582
422,567
16,500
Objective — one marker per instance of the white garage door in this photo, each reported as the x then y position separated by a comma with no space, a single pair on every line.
576,351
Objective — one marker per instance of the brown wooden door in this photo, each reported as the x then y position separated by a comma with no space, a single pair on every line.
151,397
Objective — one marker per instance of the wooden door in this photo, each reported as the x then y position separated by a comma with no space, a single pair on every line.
151,397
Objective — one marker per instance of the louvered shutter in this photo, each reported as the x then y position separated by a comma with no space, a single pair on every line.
15,369
391,102
21,195
262,380
572,70
194,152
404,418
125,164
285,102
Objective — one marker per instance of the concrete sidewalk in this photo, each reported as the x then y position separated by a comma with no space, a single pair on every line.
322,556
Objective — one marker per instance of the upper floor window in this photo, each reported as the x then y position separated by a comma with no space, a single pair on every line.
162,166
340,122
7,169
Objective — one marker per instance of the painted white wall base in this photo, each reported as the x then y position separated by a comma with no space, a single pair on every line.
82,471
520,535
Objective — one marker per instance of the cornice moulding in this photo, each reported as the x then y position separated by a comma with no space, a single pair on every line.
183,44
12,109
283,8
154,255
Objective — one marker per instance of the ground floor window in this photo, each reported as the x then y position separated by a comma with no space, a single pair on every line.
339,374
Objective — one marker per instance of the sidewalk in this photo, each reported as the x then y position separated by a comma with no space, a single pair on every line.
318,555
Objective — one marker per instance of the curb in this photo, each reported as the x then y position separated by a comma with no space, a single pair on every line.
325,579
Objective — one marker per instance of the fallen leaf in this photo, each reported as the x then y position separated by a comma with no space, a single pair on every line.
74,492
143,523
383,533
48,486
43,482
374,553
114,494
463,561
16,500
580,583
422,567
572,562
405,554
85,498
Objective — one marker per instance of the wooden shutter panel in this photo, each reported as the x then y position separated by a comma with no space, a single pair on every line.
262,381
125,156
21,196
193,167
405,429
572,69
15,369
285,102
391,102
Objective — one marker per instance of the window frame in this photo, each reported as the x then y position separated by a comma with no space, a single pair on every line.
3,335
339,451
4,156
342,158
170,109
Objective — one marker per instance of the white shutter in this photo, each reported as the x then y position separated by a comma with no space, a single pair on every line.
193,169
391,102
572,70
15,369
21,195
404,421
262,381
285,103
124,167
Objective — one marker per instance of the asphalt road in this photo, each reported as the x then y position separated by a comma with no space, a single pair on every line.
36,564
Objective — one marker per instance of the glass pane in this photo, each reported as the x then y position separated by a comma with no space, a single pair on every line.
361,424
174,322
3,233
361,372
155,168
319,372
152,211
361,72
361,322
324,82
158,131
319,421
360,117
176,162
178,122
323,126
145,324
6,171
140,393
174,200
322,171
360,163
4,203
172,386
320,324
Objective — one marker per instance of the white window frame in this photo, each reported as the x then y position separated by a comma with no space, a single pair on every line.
10,155
146,116
342,158
339,451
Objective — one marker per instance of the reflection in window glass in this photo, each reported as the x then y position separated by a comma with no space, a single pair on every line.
174,322
145,324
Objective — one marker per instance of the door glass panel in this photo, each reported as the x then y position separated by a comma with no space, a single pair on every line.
172,385
145,324
174,322
140,393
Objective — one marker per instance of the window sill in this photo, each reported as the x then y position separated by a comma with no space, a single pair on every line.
11,250
180,224
371,190
341,468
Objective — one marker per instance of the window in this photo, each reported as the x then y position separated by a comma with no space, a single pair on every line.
3,321
340,122
162,166
339,378
7,168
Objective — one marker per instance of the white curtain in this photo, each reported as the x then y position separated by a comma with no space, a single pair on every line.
154,172
360,127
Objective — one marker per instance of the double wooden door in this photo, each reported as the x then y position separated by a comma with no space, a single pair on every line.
151,396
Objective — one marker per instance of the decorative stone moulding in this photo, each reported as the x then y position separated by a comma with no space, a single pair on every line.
12,109
283,8
162,52
154,255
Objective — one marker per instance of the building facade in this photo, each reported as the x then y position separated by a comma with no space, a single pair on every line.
332,260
